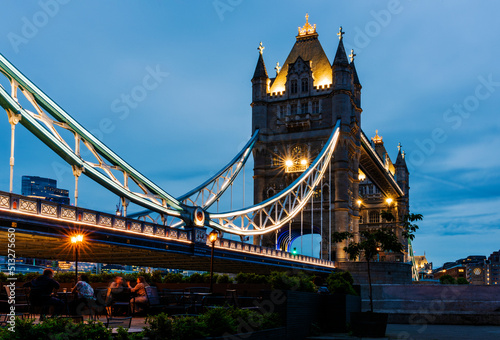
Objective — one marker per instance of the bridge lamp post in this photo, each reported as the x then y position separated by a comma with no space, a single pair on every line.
76,241
212,237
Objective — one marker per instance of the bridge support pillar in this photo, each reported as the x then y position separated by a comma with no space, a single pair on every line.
77,171
13,120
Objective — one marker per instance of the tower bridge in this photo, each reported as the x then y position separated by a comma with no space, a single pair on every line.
315,171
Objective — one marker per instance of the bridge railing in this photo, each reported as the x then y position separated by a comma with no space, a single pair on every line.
46,209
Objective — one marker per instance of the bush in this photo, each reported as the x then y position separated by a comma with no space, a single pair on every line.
224,279
173,278
56,329
447,280
462,281
251,278
285,281
340,283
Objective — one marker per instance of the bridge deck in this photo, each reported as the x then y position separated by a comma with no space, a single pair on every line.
43,229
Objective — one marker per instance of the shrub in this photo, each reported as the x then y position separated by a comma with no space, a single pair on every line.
447,280
340,283
462,281
173,278
251,278
159,327
224,279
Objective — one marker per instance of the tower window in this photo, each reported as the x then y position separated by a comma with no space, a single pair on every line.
293,86
305,85
293,109
315,106
303,108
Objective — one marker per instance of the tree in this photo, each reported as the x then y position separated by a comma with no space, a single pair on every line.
374,241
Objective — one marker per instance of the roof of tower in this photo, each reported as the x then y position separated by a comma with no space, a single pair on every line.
341,56
400,160
308,47
260,69
355,74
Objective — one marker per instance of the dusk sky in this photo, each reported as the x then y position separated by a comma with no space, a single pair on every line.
429,71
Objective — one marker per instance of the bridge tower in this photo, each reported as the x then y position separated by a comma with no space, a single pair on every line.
295,112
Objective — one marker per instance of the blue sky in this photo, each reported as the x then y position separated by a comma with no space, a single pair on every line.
429,71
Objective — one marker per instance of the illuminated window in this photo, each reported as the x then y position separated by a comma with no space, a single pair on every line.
374,217
304,85
315,106
303,108
293,86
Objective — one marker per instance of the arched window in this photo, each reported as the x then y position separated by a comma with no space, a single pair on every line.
304,85
293,86
374,217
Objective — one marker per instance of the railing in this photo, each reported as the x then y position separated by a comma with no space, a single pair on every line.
46,209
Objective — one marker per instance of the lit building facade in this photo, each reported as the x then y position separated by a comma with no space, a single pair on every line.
295,112
44,188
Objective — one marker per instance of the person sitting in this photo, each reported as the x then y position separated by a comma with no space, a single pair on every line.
140,290
41,292
116,283
85,294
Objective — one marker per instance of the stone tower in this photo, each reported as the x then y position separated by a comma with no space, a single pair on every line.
295,112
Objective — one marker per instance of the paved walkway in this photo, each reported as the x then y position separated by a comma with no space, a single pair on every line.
429,332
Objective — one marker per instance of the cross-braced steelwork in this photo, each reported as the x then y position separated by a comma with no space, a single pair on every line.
256,220
278,210
209,192
43,123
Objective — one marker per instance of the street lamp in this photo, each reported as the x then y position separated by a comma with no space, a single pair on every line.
76,241
212,237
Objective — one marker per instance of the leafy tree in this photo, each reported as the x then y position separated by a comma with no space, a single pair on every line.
374,241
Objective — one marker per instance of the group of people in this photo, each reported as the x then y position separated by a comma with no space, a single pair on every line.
42,288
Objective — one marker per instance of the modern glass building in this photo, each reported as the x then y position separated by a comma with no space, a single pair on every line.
44,188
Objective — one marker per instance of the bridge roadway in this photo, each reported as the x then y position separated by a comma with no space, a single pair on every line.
43,230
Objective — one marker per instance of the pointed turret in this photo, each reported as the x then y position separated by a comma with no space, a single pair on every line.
402,173
355,80
260,87
340,56
260,69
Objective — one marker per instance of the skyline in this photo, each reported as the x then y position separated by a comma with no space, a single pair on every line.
432,87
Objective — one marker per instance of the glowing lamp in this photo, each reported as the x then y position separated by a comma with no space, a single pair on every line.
303,162
359,202
388,201
212,237
289,162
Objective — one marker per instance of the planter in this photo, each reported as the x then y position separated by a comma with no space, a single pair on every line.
368,324
336,311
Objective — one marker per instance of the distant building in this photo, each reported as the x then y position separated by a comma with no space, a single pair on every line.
477,269
494,268
454,269
44,188
424,267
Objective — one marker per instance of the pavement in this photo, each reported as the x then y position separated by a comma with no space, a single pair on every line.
427,332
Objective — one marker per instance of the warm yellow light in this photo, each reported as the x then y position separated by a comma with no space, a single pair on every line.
303,162
77,238
289,162
388,200
359,202
212,237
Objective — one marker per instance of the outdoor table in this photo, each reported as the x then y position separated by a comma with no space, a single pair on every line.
67,298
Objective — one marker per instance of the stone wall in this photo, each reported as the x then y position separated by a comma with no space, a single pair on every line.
381,272
436,304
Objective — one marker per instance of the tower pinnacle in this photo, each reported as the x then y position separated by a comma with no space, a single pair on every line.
261,48
341,33
352,55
